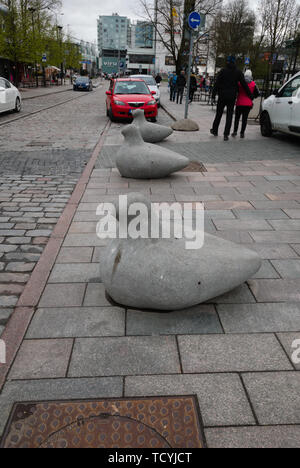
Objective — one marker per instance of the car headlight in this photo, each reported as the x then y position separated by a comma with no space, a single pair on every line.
151,103
120,103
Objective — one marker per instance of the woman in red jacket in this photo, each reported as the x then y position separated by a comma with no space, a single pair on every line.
244,104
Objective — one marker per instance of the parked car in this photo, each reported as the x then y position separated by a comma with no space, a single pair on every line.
152,85
127,94
281,111
83,83
10,98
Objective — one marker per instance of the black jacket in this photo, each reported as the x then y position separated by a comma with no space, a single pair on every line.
227,83
181,81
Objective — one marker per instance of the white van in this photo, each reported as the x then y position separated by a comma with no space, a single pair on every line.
281,111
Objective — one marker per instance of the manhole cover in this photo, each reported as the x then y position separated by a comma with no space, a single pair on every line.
169,422
195,166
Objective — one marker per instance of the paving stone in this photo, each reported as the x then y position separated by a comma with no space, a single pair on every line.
22,257
13,278
239,295
222,399
6,226
20,267
294,214
240,225
2,265
42,359
266,205
18,240
291,344
261,214
39,233
11,232
281,290
219,214
273,251
199,320
260,318
74,273
31,249
8,301
296,248
77,322
266,271
254,437
4,315
63,295
277,237
275,396
96,296
231,353
75,255
124,356
83,240
11,289
285,225
287,268
7,248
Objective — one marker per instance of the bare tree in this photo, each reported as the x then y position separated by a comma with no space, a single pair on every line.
169,20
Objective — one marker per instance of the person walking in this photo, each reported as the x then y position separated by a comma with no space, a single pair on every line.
244,104
181,82
193,87
158,79
173,86
227,88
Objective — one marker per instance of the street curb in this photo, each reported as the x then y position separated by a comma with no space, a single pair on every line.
20,319
168,112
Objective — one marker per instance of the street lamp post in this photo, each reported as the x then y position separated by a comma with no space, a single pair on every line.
32,11
60,28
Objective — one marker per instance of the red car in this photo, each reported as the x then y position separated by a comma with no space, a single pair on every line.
127,94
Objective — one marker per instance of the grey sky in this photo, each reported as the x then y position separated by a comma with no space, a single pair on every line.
82,15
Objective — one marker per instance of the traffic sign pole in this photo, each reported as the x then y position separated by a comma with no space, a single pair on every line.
189,76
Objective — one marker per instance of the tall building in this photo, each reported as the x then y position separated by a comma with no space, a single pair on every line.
125,44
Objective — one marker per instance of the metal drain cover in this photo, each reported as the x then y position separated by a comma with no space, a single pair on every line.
168,422
195,166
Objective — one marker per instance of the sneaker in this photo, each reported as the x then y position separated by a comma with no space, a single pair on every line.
213,133
226,138
234,134
242,135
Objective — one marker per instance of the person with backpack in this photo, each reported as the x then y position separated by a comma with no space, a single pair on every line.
181,82
227,88
244,104
173,86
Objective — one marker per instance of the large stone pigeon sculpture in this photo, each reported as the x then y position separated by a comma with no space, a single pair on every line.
160,274
139,160
151,133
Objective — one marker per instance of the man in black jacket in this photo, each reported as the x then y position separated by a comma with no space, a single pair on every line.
180,85
226,87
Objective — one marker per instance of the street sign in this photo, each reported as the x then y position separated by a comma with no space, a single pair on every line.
194,20
122,64
247,61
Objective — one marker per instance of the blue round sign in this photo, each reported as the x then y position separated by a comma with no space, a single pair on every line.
194,20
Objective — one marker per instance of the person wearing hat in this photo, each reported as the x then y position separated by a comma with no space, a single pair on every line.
227,88
244,104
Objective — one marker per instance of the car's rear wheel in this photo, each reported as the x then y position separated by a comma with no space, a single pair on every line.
18,105
111,115
265,125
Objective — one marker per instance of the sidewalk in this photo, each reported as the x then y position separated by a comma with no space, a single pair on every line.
67,342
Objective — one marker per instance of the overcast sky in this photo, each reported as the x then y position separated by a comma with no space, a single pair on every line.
82,15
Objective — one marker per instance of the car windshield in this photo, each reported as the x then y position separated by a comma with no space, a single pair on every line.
149,80
82,79
131,87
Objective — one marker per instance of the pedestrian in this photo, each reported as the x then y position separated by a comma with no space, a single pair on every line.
181,82
173,86
244,104
158,78
193,87
227,88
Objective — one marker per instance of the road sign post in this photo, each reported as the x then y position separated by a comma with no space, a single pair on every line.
194,22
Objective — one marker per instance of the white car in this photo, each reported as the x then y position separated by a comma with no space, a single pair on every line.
281,111
10,98
152,85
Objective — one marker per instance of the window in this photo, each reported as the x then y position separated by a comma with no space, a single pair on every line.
291,88
2,83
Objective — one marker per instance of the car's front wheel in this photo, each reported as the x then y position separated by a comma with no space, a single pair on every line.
153,119
265,125
18,105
